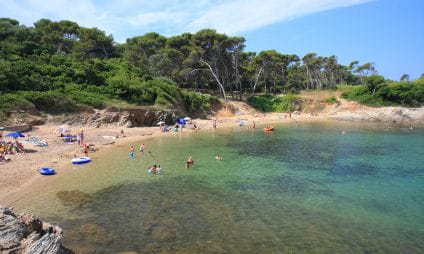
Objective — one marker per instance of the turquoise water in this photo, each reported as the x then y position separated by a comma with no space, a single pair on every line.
297,190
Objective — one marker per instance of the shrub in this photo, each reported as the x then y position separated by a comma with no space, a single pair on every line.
50,101
12,102
197,101
270,103
331,100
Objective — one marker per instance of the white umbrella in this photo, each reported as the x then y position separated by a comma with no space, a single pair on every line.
187,118
160,123
63,129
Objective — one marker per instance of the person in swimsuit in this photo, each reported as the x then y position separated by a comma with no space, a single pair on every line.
189,162
142,148
132,151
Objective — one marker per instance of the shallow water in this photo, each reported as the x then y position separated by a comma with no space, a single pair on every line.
297,190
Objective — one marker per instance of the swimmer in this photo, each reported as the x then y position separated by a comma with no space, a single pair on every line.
132,151
158,169
189,162
218,157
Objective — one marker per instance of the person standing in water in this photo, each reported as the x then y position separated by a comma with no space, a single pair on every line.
254,124
142,148
189,162
132,151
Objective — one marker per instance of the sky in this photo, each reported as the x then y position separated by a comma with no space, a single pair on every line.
389,33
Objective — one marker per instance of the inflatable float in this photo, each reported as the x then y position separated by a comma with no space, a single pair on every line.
81,160
46,171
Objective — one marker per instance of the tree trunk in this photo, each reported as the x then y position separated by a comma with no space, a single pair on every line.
216,78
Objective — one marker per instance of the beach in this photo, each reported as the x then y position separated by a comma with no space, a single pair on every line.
22,170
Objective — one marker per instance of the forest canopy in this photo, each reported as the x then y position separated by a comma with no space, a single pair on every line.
65,65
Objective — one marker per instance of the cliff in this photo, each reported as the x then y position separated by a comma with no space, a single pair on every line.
25,233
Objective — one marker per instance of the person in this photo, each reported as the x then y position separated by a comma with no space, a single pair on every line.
82,136
86,147
121,134
79,139
254,124
1,136
189,162
158,169
141,148
214,124
132,151
218,157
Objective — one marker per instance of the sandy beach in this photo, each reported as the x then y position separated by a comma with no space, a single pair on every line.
22,170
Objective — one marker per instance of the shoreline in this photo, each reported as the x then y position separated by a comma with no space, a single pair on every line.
22,170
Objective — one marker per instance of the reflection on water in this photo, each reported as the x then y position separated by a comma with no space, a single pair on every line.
298,190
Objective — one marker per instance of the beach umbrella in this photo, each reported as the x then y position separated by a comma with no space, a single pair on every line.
15,135
160,123
187,118
181,121
63,129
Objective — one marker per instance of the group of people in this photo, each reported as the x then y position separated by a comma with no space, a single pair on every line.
154,169
9,148
132,150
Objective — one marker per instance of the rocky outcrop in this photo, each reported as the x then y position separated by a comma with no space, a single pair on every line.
136,117
28,234
112,116
383,114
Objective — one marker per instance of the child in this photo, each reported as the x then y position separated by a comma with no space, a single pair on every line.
132,151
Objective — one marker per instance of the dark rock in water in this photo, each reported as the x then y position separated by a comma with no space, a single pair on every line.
74,198
27,234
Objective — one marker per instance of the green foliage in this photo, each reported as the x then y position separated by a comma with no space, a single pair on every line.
331,100
271,103
387,93
14,102
198,101
50,101
362,95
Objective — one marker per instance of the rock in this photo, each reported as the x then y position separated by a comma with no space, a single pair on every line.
134,117
27,234
18,128
37,122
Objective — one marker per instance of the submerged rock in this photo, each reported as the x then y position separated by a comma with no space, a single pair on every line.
75,198
27,234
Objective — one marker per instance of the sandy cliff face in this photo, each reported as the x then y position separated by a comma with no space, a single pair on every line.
27,234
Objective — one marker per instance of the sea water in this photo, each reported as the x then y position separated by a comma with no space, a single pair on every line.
297,190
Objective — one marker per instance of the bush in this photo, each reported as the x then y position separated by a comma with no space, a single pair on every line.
270,103
198,101
389,93
12,102
362,95
331,100
50,101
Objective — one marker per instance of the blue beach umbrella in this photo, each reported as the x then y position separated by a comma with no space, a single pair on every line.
181,121
15,135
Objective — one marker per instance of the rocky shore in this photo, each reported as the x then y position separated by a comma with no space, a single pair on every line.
26,233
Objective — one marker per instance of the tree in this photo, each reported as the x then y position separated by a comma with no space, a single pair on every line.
93,43
404,78
374,82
